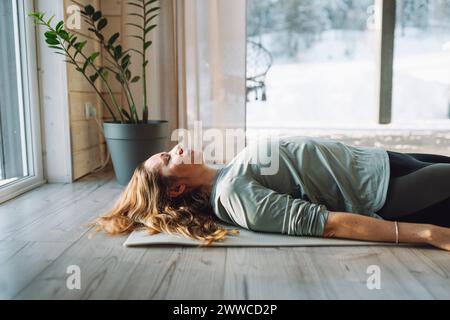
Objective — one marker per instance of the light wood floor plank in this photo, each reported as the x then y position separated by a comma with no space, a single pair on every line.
68,222
23,266
30,209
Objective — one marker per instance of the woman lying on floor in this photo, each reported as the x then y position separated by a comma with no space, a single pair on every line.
321,188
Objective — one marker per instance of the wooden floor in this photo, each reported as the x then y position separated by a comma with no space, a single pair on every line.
43,232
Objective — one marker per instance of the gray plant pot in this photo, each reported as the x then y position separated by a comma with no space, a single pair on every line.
131,144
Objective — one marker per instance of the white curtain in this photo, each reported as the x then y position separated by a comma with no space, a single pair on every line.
211,43
197,65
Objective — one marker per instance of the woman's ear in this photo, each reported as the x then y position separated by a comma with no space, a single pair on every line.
177,190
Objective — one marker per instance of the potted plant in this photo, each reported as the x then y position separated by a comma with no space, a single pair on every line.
130,138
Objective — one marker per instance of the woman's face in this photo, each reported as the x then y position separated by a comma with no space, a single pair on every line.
178,162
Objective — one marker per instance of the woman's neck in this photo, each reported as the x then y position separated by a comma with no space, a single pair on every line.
207,178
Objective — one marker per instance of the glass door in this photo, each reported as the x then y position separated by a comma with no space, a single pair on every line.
20,158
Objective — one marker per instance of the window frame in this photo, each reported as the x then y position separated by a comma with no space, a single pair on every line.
29,97
385,60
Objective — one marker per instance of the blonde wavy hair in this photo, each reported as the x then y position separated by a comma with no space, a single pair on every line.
145,203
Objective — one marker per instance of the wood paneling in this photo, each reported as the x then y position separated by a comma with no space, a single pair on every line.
77,101
111,7
89,149
84,135
86,160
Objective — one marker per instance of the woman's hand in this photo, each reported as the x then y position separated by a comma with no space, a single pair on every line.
440,237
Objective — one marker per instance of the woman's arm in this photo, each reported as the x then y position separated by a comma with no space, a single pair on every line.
358,227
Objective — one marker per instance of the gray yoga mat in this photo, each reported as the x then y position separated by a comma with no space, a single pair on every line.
245,238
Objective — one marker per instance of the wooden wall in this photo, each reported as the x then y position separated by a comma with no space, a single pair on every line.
88,144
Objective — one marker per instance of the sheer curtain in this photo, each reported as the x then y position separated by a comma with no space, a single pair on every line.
211,64
197,65
215,61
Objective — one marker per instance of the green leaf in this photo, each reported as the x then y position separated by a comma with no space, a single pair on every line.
100,36
80,45
135,25
94,56
94,77
51,35
152,10
89,10
125,61
119,78
136,5
125,65
56,47
101,24
147,45
150,2
96,16
52,42
113,39
128,75
86,63
50,20
135,79
118,52
126,58
153,26
34,15
74,39
136,15
59,26
150,20
63,34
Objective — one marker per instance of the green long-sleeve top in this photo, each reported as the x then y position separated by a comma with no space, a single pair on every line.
314,176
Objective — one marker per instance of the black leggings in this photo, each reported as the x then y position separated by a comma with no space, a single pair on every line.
419,189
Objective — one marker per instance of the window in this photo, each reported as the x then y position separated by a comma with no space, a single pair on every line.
20,163
421,84
315,63
310,62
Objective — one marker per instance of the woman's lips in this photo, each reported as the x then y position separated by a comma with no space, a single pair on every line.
190,155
